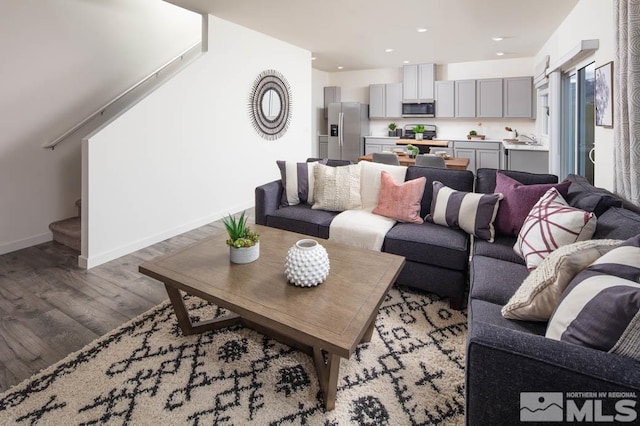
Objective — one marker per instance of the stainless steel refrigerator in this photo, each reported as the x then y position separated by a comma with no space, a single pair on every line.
348,125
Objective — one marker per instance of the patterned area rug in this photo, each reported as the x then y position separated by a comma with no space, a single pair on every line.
146,372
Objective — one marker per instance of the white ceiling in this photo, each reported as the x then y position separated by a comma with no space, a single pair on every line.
355,33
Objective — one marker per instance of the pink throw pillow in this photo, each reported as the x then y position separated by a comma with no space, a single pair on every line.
518,201
400,201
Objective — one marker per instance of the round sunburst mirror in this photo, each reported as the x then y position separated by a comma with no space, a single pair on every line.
270,104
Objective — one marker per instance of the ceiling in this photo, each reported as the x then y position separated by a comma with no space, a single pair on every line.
354,34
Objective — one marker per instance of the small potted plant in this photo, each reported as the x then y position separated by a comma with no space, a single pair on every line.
413,150
392,129
474,135
419,131
244,245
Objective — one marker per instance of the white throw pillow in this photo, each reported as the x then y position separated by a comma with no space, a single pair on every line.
337,188
540,292
552,223
370,180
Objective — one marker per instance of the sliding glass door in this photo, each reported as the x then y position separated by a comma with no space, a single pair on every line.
578,122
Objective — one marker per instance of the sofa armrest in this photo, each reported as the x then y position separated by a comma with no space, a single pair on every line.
267,200
502,363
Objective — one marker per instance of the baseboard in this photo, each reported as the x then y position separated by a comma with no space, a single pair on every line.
27,242
88,262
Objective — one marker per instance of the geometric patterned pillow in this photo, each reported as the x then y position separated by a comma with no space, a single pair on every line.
600,308
552,223
297,182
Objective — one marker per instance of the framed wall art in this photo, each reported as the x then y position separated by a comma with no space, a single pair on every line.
604,95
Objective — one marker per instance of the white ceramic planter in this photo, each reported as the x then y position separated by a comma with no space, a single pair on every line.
307,263
244,254
419,136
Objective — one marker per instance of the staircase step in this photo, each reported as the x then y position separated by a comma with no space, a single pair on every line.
68,232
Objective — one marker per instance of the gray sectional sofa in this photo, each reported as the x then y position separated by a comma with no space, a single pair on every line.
437,257
507,357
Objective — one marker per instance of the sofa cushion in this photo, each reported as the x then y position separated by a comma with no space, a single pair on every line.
486,179
600,308
370,180
552,224
400,201
495,280
302,219
500,248
618,223
518,201
337,188
540,292
482,311
587,197
297,182
429,243
473,213
460,180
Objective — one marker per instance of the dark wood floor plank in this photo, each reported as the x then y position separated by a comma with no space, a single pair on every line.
49,307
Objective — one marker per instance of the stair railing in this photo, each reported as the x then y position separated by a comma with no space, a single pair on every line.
100,111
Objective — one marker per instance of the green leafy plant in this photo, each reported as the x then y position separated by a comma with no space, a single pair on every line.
393,126
414,150
418,129
240,234
473,133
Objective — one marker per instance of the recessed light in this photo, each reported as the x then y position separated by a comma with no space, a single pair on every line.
500,53
388,50
340,67
421,30
497,38
406,62
313,58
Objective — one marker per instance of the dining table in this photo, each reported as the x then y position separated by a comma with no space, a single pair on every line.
454,163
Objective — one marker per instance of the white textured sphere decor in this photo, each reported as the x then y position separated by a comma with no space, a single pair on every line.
307,263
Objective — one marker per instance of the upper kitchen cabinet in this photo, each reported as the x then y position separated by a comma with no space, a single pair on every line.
445,101
465,98
385,100
418,83
518,97
331,95
489,97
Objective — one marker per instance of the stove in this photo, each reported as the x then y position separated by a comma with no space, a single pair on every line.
429,132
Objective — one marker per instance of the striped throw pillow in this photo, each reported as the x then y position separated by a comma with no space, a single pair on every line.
600,308
471,212
297,182
551,224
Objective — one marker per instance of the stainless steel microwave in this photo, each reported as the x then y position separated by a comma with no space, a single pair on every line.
421,109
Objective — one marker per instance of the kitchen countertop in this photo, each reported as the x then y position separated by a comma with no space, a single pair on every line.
382,137
524,147
424,142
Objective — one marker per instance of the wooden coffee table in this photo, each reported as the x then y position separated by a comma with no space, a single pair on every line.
327,321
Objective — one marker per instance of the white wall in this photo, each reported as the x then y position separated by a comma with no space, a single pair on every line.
320,79
187,154
355,88
590,19
61,60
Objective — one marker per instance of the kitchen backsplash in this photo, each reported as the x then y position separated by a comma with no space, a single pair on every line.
457,128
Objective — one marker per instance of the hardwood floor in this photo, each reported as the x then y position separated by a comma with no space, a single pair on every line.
49,307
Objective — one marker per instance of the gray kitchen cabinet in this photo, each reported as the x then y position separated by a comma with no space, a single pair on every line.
323,149
465,98
377,101
445,100
489,97
385,100
418,82
377,144
518,97
331,94
480,154
527,161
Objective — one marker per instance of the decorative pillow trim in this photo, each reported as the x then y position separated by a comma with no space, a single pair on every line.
471,212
